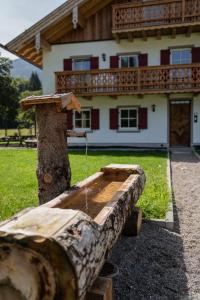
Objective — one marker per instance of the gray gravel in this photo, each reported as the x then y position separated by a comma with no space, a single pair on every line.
160,264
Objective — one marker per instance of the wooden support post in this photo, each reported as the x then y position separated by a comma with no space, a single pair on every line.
102,289
134,223
53,164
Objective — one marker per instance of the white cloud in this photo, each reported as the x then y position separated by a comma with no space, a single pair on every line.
18,15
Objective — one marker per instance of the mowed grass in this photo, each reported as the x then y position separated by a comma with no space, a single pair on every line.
18,183
12,132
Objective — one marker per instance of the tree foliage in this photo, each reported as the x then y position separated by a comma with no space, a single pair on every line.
27,118
8,94
34,83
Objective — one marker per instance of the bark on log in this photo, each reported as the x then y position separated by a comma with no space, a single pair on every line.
63,250
53,170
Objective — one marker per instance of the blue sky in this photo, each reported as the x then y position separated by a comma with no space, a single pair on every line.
18,15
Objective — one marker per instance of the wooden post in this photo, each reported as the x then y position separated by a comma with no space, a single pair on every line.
133,223
53,170
102,289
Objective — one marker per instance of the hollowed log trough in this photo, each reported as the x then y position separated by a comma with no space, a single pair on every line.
56,251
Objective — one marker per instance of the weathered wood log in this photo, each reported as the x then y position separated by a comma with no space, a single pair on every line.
53,171
52,252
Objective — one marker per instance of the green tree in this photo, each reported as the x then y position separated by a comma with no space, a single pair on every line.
34,82
8,94
27,118
22,84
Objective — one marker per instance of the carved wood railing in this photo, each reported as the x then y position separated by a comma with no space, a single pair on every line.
167,79
130,16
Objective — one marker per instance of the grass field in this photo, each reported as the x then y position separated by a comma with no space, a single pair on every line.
12,132
18,184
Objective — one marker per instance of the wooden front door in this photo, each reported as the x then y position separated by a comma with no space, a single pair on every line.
180,123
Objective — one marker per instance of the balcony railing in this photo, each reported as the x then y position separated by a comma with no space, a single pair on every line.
144,80
132,17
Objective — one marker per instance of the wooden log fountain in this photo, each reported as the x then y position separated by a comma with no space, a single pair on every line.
56,251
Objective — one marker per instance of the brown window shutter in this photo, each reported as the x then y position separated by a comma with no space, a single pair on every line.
143,118
67,64
143,60
196,55
95,119
69,119
114,62
165,57
114,118
94,63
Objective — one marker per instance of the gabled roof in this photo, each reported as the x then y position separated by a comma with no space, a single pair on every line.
51,28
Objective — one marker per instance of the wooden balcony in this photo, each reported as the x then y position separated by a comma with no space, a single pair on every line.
144,80
156,18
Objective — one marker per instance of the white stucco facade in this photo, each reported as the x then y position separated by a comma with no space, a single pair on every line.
157,133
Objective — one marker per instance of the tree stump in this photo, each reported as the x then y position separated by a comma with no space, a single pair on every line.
53,170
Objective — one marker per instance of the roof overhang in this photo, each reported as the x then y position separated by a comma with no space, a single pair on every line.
30,44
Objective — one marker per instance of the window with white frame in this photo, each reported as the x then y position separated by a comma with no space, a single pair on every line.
128,61
181,56
128,118
82,120
81,64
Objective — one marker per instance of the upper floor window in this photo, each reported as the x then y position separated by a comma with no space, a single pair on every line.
181,56
128,61
128,118
81,64
82,120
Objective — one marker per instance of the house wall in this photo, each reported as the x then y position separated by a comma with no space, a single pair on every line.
155,135
157,132
53,60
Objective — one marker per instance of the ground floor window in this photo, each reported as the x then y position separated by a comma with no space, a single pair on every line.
128,118
82,120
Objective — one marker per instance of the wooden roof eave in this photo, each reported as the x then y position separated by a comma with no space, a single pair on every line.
45,23
37,62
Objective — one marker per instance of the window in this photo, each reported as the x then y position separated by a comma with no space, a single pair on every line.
81,64
128,61
82,120
128,118
181,56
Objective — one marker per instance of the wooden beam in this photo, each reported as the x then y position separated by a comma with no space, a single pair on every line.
117,38
81,20
45,45
173,36
27,52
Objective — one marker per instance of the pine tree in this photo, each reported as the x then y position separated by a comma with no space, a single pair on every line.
34,82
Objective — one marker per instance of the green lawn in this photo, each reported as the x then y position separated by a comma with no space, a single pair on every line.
18,184
12,132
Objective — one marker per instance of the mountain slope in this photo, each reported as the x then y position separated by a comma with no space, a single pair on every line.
23,69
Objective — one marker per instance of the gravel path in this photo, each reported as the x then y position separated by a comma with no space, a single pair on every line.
160,264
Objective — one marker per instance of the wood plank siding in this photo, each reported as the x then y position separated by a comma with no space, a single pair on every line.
143,80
